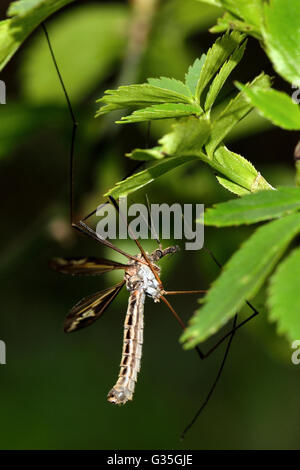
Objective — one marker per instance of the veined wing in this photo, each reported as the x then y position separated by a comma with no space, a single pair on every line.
89,309
91,266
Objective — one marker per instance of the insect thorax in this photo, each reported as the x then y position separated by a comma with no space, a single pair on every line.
140,276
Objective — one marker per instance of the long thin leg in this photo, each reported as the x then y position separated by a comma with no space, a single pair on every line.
73,119
137,167
86,230
213,348
181,323
80,225
192,422
179,320
255,312
231,332
204,356
175,292
74,132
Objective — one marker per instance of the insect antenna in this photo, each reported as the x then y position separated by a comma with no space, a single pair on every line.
152,226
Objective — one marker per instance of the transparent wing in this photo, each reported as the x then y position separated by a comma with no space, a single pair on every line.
89,309
91,266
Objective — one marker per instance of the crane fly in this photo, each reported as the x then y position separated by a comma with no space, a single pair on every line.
141,278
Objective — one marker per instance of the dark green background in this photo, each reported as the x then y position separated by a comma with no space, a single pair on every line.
53,388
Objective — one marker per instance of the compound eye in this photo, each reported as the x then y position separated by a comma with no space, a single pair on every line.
159,254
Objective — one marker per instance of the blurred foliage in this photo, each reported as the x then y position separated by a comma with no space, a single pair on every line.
53,388
25,15
77,31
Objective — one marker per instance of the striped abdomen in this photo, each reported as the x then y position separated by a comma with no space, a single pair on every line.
132,349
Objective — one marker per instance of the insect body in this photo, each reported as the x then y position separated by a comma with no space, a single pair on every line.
140,281
132,349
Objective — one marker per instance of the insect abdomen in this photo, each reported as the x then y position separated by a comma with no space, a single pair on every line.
132,350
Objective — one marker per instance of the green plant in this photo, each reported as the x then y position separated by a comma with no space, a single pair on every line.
248,269
199,130
276,25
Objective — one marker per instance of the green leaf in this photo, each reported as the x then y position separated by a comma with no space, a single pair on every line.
138,95
169,52
27,15
137,181
187,137
253,208
241,15
216,56
238,170
184,144
162,111
229,21
216,3
232,187
250,12
274,105
222,76
281,33
22,7
146,154
236,109
241,277
284,299
97,34
193,74
170,84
